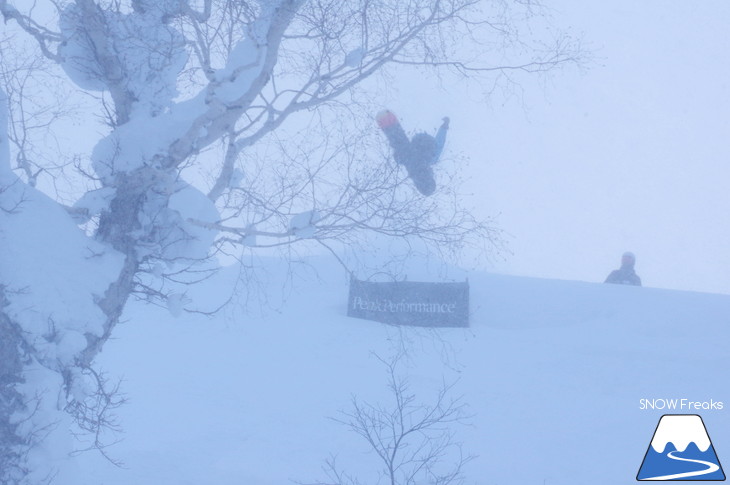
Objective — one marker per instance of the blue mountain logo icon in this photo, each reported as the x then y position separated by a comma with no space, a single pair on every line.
680,450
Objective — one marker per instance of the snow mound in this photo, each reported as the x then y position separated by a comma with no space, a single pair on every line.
552,371
55,270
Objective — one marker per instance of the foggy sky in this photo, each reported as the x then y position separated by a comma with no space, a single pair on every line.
630,154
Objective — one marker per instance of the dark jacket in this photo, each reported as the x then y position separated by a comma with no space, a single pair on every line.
624,276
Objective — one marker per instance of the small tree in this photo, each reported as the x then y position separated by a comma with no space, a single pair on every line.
414,442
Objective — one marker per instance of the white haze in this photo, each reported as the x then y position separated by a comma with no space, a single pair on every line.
629,154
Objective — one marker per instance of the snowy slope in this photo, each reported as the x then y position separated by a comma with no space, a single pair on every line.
553,372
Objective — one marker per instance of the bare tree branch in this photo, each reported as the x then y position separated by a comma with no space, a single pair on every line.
411,440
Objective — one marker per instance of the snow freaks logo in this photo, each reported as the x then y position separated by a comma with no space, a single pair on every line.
680,405
680,450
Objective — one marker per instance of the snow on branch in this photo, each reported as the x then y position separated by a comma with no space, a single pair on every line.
236,86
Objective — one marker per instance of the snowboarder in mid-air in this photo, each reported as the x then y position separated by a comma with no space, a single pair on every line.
625,275
418,154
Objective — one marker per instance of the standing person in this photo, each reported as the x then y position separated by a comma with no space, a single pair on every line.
625,275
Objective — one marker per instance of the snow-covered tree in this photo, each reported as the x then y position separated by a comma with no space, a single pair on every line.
223,133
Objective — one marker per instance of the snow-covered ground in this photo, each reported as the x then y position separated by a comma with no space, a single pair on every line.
553,373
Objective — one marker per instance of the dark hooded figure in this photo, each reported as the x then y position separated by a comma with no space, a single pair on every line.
418,154
625,275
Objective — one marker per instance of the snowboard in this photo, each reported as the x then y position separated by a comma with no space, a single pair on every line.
413,154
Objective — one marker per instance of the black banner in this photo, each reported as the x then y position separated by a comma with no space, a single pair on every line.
410,303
